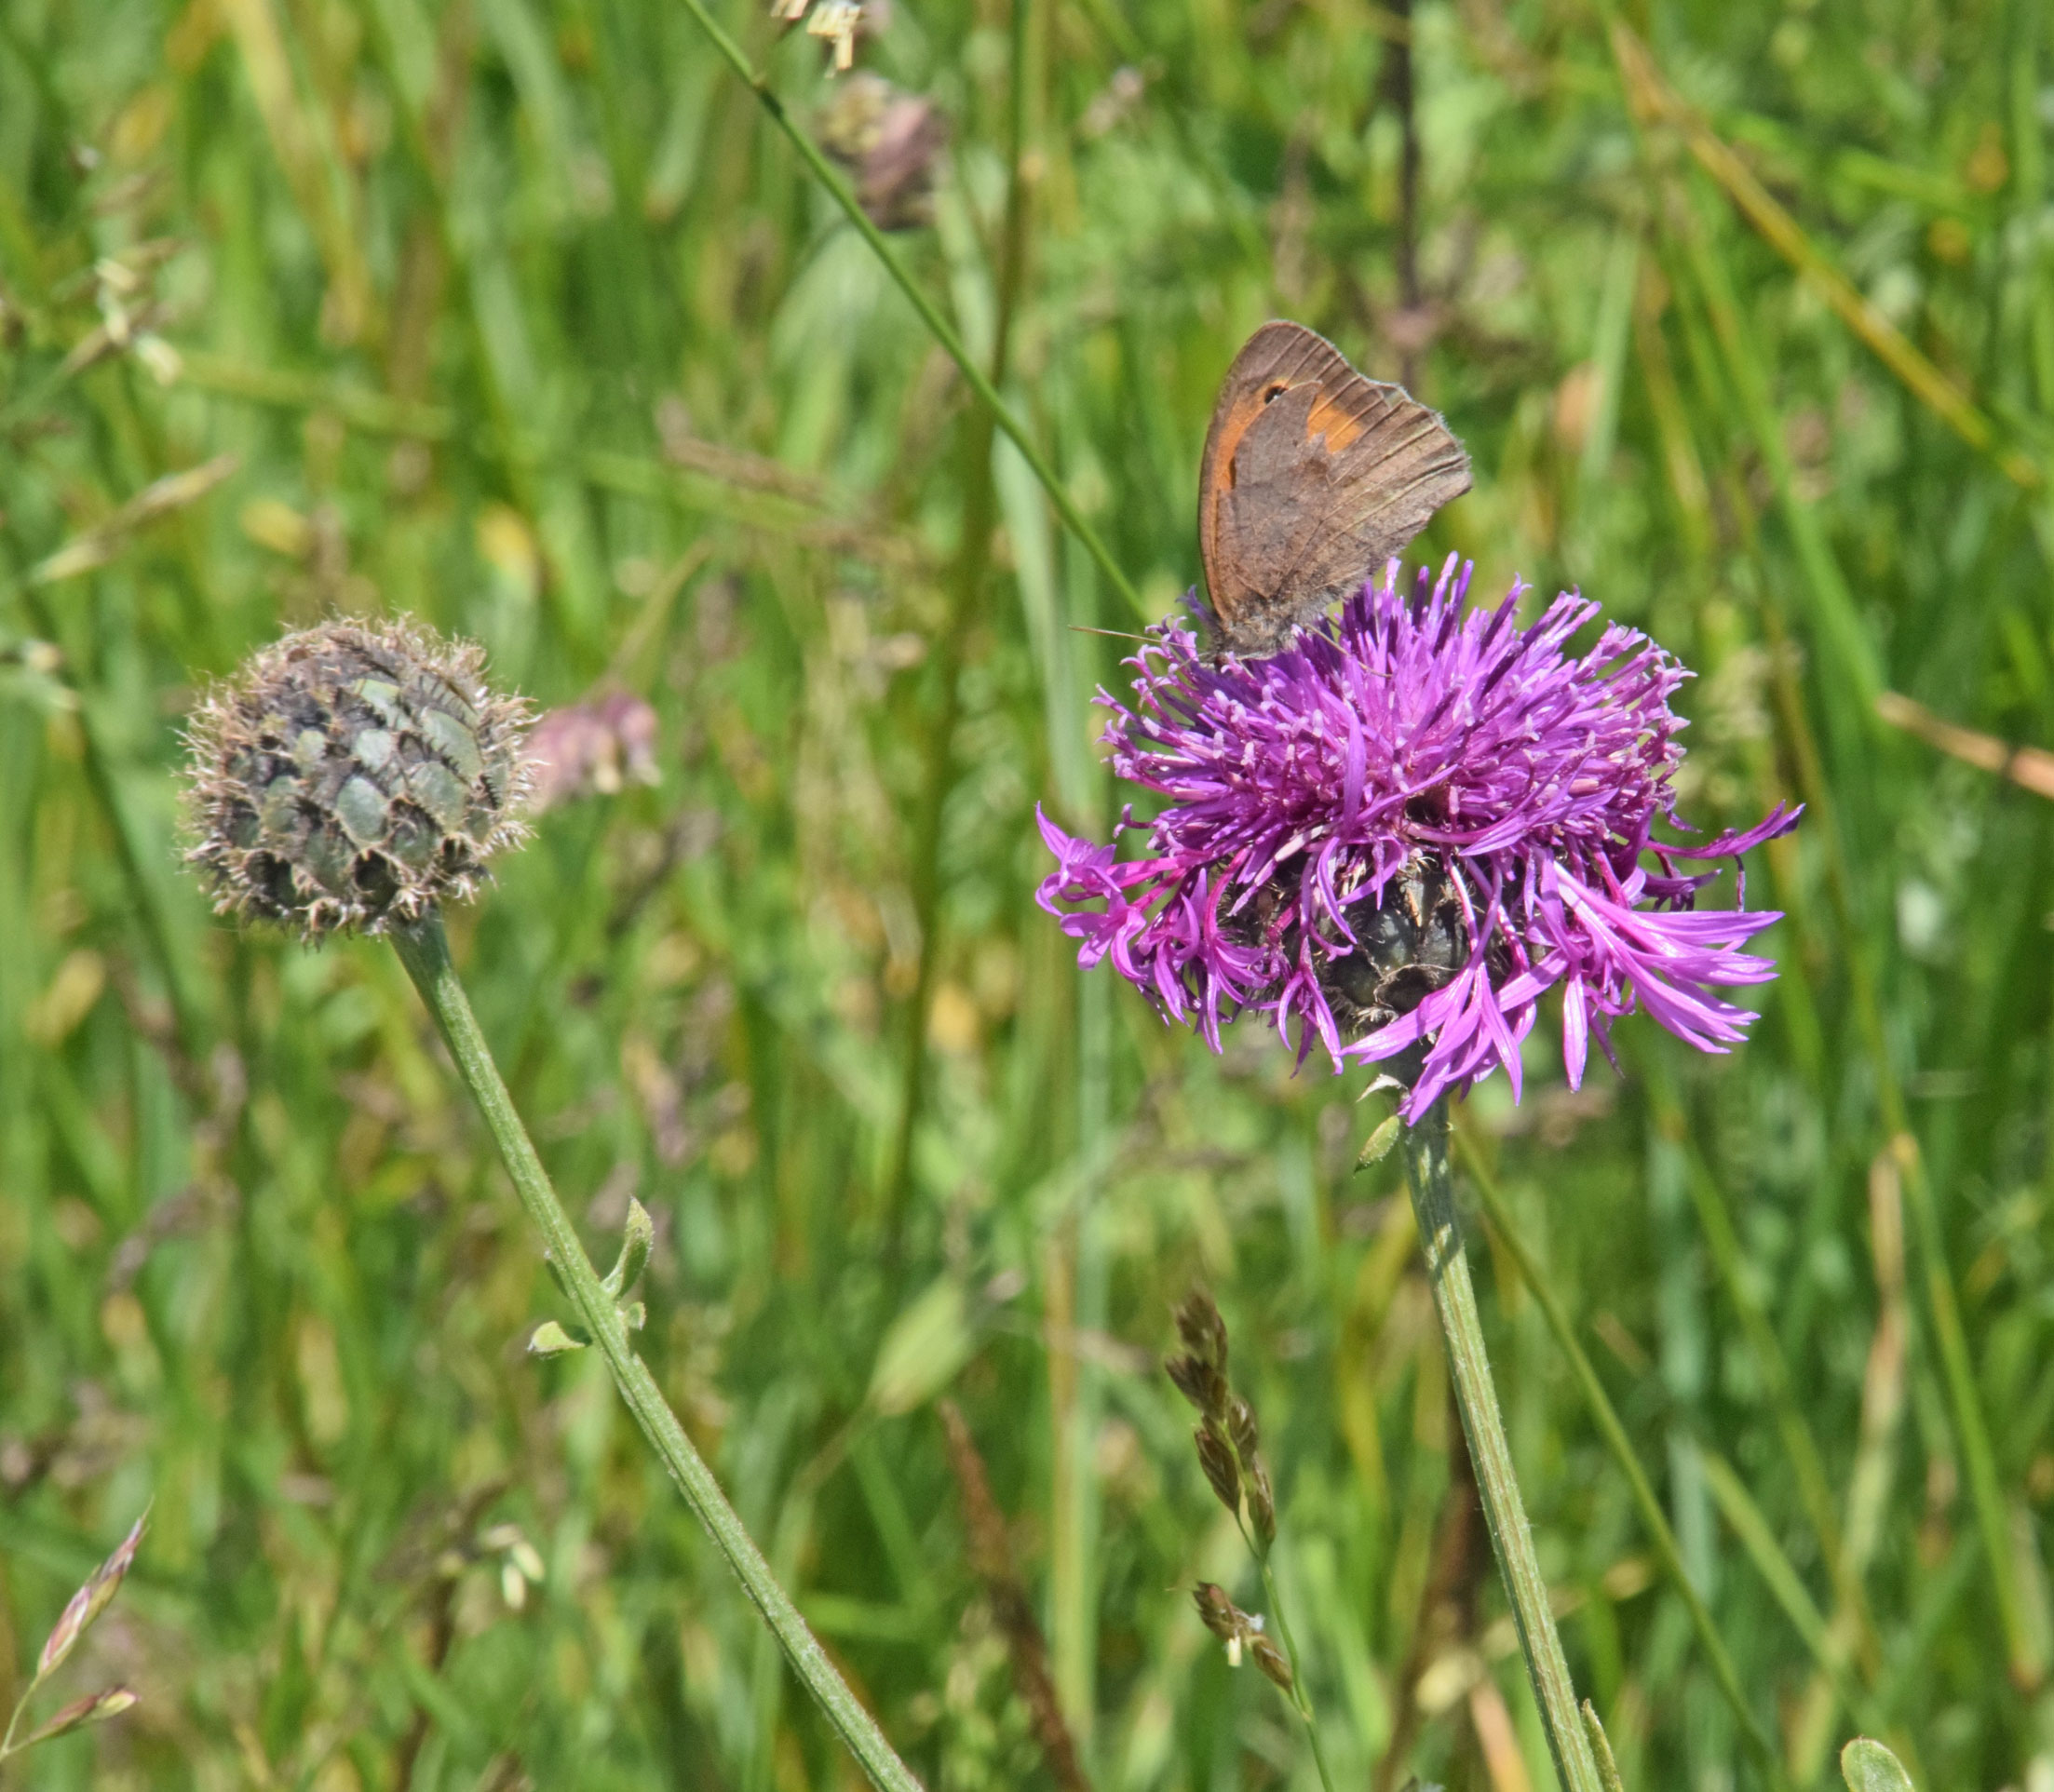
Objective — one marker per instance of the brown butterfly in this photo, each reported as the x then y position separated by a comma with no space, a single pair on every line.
1313,477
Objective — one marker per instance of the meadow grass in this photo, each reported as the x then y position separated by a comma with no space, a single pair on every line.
525,318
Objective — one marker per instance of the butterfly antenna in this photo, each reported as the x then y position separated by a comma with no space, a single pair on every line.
1112,634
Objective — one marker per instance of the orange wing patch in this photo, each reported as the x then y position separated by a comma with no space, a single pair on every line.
1335,421
1231,427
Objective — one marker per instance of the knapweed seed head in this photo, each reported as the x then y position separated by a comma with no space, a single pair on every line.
1394,835
353,776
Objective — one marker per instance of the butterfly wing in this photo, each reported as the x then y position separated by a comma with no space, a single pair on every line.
1313,476
1276,357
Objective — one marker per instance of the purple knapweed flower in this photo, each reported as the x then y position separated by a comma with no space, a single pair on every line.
1398,833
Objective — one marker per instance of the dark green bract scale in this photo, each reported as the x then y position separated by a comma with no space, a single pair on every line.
353,776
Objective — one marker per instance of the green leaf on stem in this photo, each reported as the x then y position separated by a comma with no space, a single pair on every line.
1600,1746
549,1339
1867,1766
1377,1146
637,1236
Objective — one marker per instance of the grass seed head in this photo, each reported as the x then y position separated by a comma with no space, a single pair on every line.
1262,1500
1194,1380
354,777
1241,1632
1241,1427
1275,1665
1219,1614
1216,1458
1202,1330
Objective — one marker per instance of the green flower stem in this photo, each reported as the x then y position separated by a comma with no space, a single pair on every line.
930,314
1616,1441
424,949
1490,1454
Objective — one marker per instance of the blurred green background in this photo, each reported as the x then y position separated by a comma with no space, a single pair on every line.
520,317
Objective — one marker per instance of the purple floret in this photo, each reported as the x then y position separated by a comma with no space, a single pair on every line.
1406,743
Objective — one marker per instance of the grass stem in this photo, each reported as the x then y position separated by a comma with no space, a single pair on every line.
970,572
1855,658
424,949
1426,1172
1301,1700
1616,1441
939,327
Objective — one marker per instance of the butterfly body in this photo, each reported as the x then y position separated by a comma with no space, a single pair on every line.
1313,476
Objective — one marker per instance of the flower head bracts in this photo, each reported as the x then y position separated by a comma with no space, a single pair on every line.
354,775
1410,755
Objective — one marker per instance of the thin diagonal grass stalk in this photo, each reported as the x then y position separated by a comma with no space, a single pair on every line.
1856,663
1798,1444
969,574
137,854
1301,1700
1757,1536
942,330
1653,97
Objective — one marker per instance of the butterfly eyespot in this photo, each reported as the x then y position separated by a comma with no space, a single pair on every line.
1275,390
